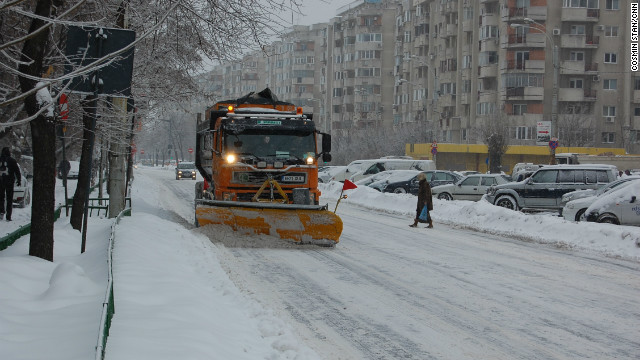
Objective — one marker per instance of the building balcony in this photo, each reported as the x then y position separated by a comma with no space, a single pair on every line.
422,40
488,96
576,95
450,30
570,67
635,122
579,14
528,93
449,7
465,98
490,44
530,40
636,97
528,65
447,100
524,119
467,25
489,19
579,41
537,13
488,71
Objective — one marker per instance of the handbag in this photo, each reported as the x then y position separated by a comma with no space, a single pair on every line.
424,214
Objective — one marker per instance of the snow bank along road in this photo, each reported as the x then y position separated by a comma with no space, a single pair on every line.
387,291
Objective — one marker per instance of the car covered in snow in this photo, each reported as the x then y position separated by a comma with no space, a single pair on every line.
411,185
186,170
326,173
577,202
620,206
472,187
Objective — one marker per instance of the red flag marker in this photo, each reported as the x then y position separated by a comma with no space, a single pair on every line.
348,185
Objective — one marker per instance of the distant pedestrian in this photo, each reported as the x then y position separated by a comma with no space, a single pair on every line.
424,199
9,173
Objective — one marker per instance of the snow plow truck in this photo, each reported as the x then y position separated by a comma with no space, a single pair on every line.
259,158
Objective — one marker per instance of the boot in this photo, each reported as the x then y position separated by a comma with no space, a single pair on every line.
430,224
415,223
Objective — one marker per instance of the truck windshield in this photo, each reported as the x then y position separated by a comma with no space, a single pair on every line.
262,145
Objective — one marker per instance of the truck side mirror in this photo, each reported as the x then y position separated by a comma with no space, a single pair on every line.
326,157
326,143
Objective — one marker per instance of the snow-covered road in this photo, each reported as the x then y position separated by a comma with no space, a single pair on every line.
387,291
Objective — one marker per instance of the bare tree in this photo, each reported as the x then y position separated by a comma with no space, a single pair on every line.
494,133
173,38
576,129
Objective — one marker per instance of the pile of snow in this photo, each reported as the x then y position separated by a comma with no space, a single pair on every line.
548,228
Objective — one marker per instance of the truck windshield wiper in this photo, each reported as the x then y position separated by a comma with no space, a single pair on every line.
248,154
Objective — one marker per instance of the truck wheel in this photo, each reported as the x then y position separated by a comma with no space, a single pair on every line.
508,202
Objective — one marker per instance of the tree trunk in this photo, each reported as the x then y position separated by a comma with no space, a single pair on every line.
77,210
43,132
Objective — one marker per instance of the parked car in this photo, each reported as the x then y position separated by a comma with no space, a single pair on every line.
472,187
544,189
359,169
382,180
22,193
186,170
411,185
326,173
379,177
620,206
580,200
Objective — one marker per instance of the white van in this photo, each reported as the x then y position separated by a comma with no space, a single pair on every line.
360,169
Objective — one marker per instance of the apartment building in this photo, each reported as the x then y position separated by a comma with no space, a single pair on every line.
560,66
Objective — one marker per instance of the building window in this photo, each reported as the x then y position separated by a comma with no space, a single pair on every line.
610,31
575,83
519,109
522,133
407,36
488,32
610,58
608,137
485,108
577,30
576,56
466,61
636,83
463,134
608,110
610,84
337,92
612,4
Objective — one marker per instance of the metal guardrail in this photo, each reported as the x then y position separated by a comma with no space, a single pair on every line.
108,306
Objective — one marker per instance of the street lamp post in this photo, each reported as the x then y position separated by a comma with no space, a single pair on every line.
554,98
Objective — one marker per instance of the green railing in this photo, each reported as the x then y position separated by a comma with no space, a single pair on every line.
108,305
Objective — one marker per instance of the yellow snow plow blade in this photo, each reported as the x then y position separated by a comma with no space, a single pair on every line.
300,223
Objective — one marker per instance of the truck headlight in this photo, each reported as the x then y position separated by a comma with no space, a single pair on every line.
231,158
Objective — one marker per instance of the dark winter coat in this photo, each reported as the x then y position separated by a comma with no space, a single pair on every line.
424,196
13,171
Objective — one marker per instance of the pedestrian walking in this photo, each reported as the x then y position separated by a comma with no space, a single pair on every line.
9,173
424,199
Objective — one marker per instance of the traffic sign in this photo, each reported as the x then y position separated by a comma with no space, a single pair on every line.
553,144
190,150
142,152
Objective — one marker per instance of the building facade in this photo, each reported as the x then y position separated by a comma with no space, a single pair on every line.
544,69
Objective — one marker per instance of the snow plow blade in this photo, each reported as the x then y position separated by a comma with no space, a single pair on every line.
301,223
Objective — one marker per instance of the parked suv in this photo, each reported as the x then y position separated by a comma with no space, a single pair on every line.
544,189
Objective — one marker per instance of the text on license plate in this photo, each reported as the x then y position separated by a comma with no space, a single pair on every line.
293,178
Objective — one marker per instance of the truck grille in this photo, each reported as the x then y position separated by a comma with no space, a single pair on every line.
258,178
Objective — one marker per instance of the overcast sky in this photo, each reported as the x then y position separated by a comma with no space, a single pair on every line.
317,11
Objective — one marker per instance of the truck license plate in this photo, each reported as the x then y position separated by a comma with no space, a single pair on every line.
293,178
